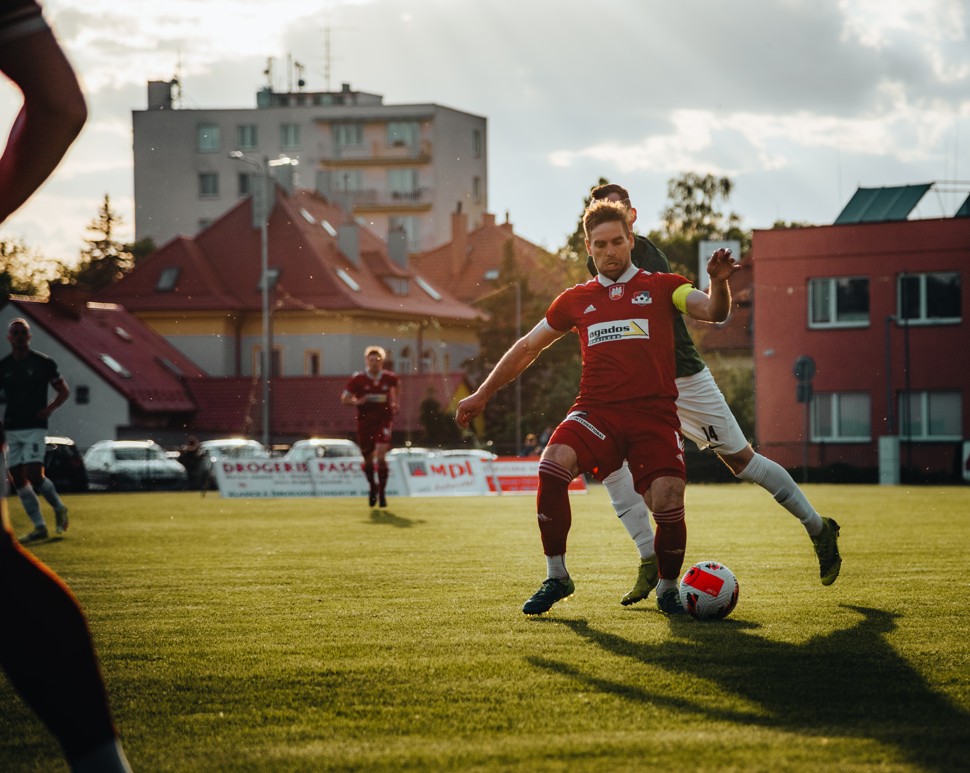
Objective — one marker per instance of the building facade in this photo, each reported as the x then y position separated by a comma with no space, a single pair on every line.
396,167
870,316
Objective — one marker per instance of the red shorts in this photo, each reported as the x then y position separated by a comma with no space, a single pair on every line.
646,434
372,433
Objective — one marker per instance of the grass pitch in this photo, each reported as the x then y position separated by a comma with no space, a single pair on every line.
319,635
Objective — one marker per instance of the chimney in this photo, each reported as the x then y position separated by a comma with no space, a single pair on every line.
69,298
285,174
397,247
348,239
459,241
321,183
160,95
488,220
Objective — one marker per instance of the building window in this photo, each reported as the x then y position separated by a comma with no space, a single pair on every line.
477,143
247,137
167,279
275,361
207,138
244,184
349,180
403,184
930,415
403,133
838,302
477,190
347,134
929,299
82,395
208,185
841,417
289,136
311,362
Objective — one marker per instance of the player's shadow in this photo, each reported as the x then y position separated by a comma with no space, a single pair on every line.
387,518
850,683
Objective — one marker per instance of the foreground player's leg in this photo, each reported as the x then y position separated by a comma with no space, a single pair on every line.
28,498
670,543
635,517
50,660
823,532
555,518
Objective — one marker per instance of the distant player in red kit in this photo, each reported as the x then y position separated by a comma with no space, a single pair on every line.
375,393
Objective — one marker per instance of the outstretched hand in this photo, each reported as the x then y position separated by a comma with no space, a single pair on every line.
722,265
468,409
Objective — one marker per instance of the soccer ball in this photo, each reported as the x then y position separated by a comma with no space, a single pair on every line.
708,591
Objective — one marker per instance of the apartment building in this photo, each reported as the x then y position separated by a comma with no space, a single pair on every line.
394,167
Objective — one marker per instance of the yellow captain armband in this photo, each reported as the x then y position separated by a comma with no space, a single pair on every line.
679,297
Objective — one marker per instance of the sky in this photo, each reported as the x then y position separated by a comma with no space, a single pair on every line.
798,102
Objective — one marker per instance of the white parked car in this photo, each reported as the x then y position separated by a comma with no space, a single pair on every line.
321,447
213,451
132,465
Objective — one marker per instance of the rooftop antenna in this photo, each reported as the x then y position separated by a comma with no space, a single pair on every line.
177,81
327,61
300,82
268,72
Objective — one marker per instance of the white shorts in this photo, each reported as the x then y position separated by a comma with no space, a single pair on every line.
705,417
26,446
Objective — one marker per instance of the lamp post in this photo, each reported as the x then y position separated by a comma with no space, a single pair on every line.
262,202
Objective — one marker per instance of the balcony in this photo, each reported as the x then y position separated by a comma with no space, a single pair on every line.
374,200
377,153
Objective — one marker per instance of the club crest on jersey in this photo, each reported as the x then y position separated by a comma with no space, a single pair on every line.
641,298
616,292
617,330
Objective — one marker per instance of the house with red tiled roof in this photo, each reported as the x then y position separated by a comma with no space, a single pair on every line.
125,379
469,264
335,288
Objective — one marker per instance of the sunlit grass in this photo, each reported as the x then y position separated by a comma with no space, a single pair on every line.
307,635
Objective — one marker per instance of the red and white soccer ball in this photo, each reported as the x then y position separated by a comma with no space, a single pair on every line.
708,591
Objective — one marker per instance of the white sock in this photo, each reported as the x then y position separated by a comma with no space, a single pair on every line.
775,479
665,585
107,758
556,567
49,491
32,505
630,509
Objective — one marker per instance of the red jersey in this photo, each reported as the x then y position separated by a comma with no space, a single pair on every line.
626,333
376,390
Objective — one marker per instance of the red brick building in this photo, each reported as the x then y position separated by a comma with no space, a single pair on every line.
880,308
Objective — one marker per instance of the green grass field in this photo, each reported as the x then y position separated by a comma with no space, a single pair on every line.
318,635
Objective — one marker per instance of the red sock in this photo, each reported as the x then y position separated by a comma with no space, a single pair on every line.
669,542
552,505
381,476
368,468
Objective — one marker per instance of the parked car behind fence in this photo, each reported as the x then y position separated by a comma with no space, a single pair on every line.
132,465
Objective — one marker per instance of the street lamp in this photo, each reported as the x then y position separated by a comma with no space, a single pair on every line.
262,215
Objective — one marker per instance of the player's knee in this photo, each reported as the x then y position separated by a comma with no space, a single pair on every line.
553,477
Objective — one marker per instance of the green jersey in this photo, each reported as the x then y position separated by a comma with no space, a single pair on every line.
647,255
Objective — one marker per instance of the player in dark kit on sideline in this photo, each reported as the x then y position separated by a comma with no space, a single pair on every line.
24,377
625,408
46,649
706,419
375,393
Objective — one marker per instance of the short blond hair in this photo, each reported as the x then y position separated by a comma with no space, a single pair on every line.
375,350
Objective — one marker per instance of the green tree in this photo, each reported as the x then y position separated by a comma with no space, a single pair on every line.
105,259
440,429
25,271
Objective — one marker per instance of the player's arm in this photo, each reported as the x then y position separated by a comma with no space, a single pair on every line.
715,304
52,115
61,392
349,398
394,397
519,357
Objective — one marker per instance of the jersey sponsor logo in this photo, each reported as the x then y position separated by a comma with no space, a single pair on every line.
641,298
617,330
577,416
589,308
616,292
376,398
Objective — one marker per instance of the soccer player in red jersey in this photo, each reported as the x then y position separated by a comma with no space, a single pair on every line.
375,393
46,648
626,406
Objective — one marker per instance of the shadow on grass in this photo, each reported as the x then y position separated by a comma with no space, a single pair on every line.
387,518
849,683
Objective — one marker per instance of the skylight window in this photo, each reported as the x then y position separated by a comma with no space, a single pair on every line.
116,366
328,228
492,274
308,217
273,275
168,279
123,334
348,280
435,295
